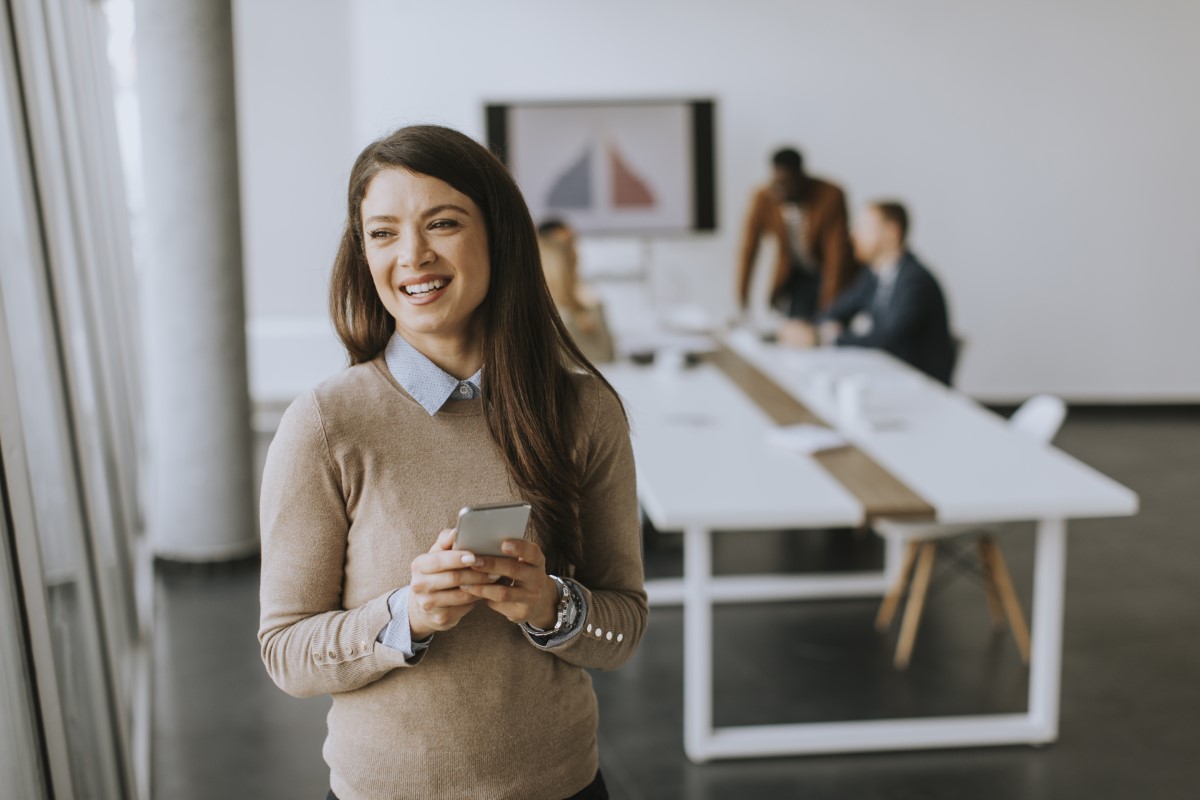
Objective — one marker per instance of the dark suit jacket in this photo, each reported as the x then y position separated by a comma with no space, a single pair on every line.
913,325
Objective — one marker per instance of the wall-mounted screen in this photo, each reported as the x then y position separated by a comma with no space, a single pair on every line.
638,166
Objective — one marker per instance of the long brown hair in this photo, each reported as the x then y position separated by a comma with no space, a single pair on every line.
529,398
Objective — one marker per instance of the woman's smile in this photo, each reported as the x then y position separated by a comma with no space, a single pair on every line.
423,290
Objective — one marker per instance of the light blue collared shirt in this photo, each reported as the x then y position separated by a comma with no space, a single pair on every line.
428,383
433,387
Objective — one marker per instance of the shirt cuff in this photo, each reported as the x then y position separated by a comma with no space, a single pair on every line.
567,634
398,633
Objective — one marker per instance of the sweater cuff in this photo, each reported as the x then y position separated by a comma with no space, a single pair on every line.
398,633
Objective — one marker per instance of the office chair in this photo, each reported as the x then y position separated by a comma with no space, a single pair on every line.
1039,418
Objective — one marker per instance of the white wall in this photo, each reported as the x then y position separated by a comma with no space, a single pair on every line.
297,143
1046,149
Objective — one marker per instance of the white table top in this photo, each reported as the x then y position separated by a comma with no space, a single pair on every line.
702,457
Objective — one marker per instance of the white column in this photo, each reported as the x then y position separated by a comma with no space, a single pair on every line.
200,493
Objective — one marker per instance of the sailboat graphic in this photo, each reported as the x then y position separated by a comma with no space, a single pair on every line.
628,190
573,189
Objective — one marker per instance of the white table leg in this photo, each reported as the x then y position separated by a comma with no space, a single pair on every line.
893,558
1037,725
771,587
697,644
1045,663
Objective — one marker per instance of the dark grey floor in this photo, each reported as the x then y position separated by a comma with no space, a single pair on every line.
1131,674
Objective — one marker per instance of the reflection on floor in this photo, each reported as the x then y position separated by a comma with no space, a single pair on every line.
1130,704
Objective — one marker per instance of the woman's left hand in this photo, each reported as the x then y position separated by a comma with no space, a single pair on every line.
532,597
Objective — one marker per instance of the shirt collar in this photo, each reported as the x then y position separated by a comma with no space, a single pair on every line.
429,384
887,274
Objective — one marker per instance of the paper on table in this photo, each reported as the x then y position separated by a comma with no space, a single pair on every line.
806,439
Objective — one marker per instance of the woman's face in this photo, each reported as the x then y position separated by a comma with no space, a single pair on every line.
426,244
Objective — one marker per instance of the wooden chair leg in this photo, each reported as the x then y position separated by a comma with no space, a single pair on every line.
1008,598
887,609
989,585
916,601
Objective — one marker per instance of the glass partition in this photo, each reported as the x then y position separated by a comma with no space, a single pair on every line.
68,417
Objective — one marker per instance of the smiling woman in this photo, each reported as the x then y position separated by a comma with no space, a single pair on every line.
464,389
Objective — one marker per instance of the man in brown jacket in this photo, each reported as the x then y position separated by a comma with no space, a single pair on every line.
807,217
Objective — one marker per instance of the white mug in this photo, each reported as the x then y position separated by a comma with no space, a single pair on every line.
851,392
670,360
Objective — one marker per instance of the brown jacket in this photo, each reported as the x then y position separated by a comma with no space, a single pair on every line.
828,234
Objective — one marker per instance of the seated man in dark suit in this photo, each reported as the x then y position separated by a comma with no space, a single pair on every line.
897,304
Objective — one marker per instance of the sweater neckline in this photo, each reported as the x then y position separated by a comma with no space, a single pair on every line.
452,408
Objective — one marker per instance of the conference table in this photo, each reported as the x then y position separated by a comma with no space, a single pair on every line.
914,449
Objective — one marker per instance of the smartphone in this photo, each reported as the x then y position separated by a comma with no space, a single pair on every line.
482,529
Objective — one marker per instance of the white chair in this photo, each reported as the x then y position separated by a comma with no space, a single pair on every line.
1039,418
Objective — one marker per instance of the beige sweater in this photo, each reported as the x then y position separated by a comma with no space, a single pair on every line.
358,482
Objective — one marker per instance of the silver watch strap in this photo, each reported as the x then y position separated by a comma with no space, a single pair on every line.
565,597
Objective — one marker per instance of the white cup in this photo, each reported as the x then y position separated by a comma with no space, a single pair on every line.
851,393
670,360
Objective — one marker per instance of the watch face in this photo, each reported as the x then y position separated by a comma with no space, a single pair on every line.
572,609
569,604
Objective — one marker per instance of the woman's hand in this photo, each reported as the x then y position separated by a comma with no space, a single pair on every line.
532,597
438,599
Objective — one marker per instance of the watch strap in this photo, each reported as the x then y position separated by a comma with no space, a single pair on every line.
562,612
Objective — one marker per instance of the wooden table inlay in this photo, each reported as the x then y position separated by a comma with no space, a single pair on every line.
881,493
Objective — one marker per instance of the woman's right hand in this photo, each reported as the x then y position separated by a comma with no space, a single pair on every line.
436,603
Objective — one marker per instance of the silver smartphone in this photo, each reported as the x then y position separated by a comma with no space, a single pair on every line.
482,529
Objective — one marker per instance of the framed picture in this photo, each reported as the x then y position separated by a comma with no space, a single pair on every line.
637,166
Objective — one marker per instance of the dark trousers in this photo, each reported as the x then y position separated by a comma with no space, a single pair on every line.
800,294
596,790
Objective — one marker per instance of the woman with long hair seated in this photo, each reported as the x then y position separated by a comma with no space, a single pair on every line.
453,674
580,309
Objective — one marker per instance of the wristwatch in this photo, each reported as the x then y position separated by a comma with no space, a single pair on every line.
565,612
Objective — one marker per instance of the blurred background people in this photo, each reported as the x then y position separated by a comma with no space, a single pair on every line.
807,218
897,304
578,305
